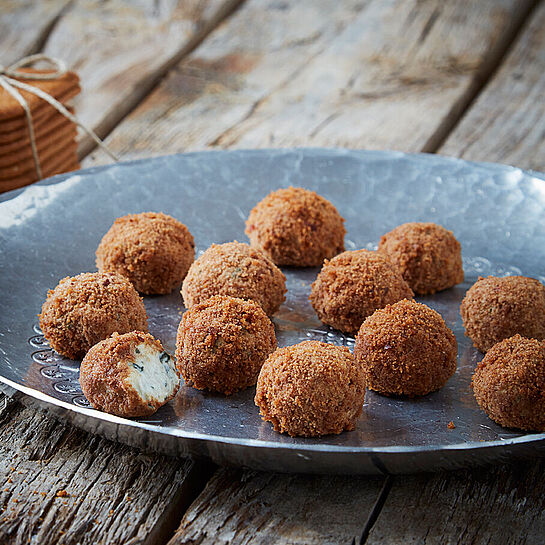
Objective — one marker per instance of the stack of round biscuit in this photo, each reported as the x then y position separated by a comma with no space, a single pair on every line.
55,135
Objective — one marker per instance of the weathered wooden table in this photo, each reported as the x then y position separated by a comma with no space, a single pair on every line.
463,78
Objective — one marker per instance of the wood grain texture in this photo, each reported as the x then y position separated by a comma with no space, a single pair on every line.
121,48
61,485
24,25
247,507
507,122
373,74
493,506
225,78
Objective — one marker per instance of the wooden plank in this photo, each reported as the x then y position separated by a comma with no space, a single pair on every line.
507,122
25,25
373,74
493,506
234,68
58,484
247,507
121,49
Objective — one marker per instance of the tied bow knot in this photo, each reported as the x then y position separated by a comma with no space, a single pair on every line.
13,71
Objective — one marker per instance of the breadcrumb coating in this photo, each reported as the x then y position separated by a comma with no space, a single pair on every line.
495,308
222,344
87,308
235,269
428,256
153,250
296,227
353,285
509,383
105,375
311,389
406,349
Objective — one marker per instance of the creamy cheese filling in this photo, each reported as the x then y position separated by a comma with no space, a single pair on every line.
152,373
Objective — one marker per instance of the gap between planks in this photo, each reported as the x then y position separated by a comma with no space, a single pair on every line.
488,68
114,493
42,38
377,508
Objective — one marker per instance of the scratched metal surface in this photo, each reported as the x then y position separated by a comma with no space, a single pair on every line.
51,230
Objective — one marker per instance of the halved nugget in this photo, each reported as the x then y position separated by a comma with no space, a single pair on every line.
128,375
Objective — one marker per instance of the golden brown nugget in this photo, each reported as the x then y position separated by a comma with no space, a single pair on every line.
237,270
153,250
128,375
85,309
222,344
406,349
311,389
353,285
509,383
495,308
296,227
428,256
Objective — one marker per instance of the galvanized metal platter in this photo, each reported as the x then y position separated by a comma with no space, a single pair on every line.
51,230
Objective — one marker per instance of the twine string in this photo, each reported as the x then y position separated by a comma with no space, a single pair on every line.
14,71
9,80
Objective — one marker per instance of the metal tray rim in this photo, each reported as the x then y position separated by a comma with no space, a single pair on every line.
536,438
8,195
